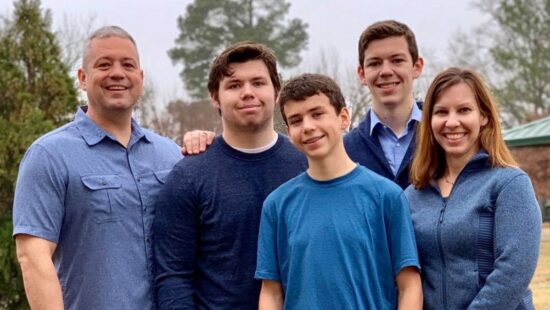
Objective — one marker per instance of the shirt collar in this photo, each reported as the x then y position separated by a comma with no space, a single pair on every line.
93,134
416,115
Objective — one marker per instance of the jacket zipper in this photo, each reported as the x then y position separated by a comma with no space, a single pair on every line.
440,248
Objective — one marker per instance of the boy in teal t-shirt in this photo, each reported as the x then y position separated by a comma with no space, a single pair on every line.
338,236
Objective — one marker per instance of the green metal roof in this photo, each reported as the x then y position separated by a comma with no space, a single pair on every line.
533,133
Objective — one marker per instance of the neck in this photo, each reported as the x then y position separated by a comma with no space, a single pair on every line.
332,166
118,125
396,118
247,138
453,168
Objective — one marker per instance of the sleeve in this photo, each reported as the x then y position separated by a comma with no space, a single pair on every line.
38,207
175,234
401,233
267,264
517,239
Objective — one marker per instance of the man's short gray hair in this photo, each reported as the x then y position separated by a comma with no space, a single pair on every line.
103,33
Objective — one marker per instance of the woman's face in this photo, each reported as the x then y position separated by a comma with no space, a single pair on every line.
456,122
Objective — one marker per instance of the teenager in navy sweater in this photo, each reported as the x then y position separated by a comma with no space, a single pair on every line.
384,140
208,213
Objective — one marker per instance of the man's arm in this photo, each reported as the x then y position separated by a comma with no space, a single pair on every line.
409,289
196,141
175,241
39,275
271,295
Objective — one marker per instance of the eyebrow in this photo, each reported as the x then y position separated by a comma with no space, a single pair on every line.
308,111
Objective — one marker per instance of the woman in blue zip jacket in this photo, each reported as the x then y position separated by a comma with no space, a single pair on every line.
476,219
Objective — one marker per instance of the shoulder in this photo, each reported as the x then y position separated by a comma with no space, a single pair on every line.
204,163
503,176
377,183
287,189
59,137
161,141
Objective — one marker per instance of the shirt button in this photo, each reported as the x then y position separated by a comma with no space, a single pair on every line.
148,240
103,182
138,179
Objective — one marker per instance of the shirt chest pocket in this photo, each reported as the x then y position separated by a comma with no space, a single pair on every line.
100,191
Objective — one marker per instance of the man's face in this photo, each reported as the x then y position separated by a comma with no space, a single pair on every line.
246,99
388,71
111,76
314,127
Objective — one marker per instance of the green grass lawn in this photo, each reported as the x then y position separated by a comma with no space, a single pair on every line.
541,282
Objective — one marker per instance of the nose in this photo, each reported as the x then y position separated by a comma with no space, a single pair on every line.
452,120
117,71
247,91
386,68
307,125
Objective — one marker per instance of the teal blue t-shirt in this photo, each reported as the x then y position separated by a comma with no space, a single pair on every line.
336,244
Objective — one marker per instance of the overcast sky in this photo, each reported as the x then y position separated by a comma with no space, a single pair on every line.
334,25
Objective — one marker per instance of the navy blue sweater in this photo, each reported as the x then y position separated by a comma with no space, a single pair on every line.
207,221
367,151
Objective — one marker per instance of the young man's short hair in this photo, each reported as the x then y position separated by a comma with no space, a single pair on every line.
307,85
386,29
239,53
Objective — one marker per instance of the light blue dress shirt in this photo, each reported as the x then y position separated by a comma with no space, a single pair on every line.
81,189
394,146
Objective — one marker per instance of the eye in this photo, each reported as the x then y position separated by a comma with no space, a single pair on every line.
258,83
103,65
398,60
295,121
439,112
233,86
128,65
317,114
372,64
464,110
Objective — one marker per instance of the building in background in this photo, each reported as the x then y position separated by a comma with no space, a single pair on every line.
530,145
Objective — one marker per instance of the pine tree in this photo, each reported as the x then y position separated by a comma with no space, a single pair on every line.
36,94
209,26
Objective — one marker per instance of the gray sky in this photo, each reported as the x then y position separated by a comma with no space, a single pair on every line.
334,25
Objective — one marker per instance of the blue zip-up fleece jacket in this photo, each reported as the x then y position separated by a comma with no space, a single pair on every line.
478,247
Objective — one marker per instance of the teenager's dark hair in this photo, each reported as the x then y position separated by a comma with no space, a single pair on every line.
238,53
386,29
307,85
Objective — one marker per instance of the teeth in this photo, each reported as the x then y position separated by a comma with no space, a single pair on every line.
387,85
116,88
454,135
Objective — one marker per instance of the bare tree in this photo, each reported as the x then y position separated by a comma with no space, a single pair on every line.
358,97
72,33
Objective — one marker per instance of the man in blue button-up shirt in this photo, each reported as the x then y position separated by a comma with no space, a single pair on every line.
85,192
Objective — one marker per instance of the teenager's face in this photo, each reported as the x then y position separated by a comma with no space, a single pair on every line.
246,99
112,77
388,71
456,122
314,127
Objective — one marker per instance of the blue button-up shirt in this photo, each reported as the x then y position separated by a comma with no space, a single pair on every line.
394,146
81,189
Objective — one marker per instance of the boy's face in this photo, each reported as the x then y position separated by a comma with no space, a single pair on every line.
388,71
246,99
314,127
